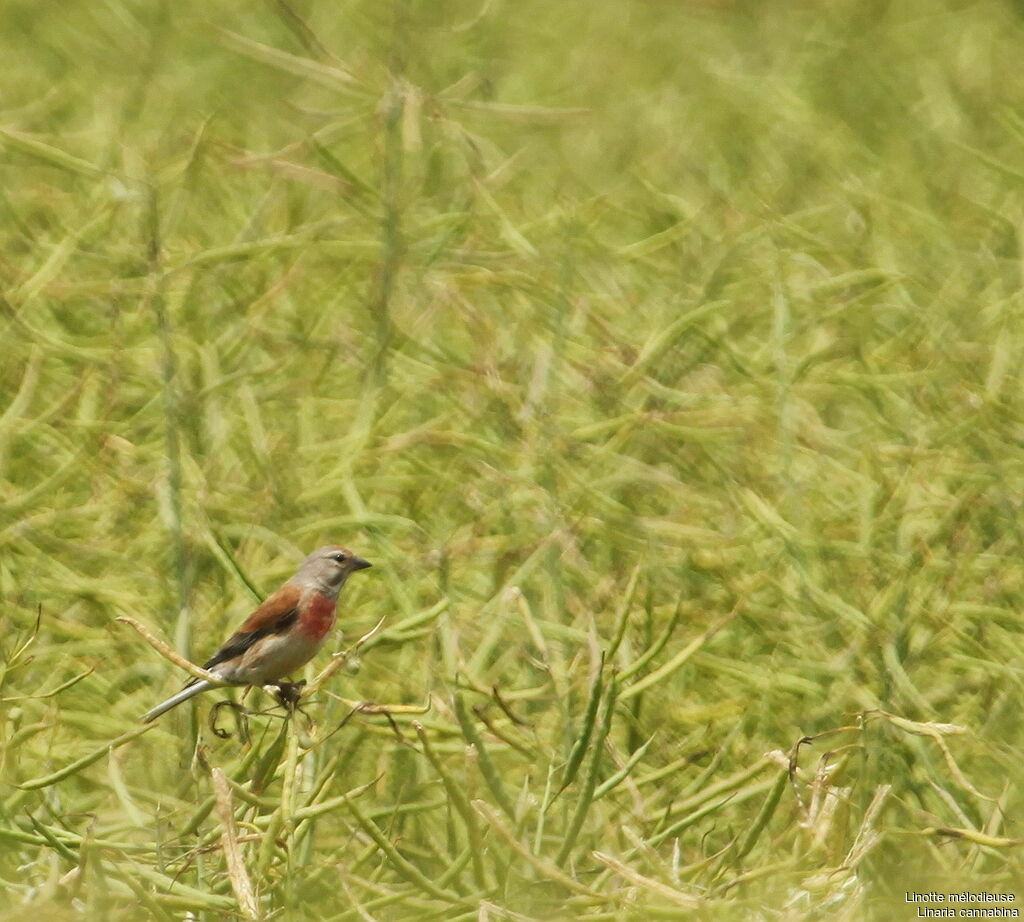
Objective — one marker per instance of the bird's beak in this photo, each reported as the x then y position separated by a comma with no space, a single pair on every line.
359,564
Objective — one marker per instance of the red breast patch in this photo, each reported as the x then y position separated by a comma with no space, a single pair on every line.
318,618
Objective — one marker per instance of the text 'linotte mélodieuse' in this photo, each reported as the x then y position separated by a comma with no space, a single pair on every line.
951,909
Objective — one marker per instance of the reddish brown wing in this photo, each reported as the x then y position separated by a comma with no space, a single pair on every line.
277,613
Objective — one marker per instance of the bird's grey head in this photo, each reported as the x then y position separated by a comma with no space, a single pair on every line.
328,567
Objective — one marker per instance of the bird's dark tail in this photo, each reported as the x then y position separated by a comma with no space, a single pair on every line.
190,691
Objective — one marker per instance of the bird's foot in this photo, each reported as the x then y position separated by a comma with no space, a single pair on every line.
289,693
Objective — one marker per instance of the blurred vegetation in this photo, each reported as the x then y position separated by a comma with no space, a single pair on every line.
663,357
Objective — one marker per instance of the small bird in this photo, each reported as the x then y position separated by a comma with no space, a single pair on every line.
284,633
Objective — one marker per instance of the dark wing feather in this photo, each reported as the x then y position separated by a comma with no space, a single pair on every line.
239,642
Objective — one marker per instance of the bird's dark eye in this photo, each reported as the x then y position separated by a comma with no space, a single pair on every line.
338,557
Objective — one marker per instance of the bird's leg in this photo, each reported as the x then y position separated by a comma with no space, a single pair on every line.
289,693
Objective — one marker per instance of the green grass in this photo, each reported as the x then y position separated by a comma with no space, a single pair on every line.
665,359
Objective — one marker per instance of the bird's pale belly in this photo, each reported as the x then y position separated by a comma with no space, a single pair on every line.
274,658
